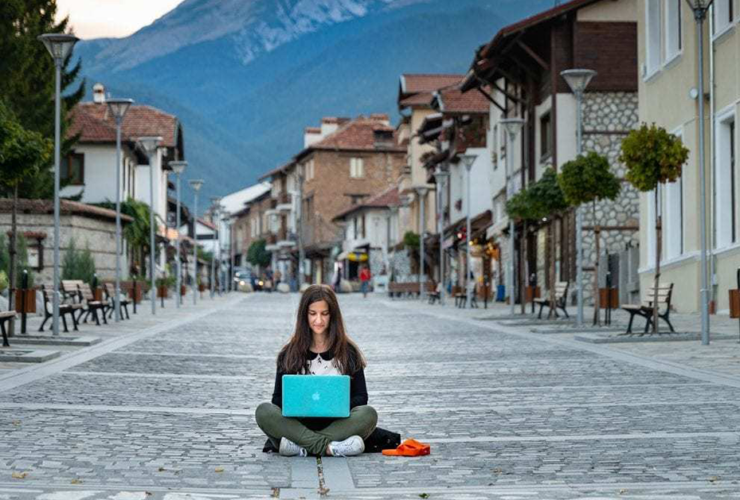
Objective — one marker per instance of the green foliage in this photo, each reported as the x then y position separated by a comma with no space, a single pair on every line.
137,232
257,255
587,179
205,255
3,281
22,152
543,198
78,264
520,207
21,262
28,82
411,240
652,156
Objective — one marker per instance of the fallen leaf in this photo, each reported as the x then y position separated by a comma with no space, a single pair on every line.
713,479
148,493
219,469
16,422
19,475
622,491
76,481
497,470
423,495
161,469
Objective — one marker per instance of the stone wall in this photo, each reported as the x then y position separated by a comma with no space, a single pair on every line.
607,118
94,233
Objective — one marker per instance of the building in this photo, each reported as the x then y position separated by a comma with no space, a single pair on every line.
520,70
343,163
668,64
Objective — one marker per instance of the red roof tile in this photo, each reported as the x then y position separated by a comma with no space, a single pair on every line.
388,198
66,207
415,83
359,134
95,124
454,101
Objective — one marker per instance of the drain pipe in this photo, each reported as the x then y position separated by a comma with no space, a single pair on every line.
713,168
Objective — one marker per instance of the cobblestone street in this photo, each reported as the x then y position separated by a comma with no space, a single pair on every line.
168,412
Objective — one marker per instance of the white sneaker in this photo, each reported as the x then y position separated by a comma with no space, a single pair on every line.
350,447
289,449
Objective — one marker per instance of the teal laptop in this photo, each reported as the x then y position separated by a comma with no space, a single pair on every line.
316,396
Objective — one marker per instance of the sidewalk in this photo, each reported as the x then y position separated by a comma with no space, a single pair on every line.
89,333
721,356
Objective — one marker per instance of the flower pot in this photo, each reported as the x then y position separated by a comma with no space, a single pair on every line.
734,303
183,290
609,298
531,293
162,292
201,288
30,303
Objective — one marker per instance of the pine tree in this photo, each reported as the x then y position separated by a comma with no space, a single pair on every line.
28,82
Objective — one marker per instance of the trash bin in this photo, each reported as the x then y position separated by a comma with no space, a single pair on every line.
500,293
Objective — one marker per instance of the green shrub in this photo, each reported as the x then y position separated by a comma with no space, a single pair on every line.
411,240
21,263
652,156
257,255
587,179
3,281
78,264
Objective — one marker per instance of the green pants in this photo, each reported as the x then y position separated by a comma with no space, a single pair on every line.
361,422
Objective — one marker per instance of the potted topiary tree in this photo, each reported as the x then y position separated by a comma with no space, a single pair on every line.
653,157
588,179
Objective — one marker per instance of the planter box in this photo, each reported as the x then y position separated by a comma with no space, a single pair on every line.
183,290
735,304
531,293
98,294
201,288
30,305
162,292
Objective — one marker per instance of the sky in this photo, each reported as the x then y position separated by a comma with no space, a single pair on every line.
112,18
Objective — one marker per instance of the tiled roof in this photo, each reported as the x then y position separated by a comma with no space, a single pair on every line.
209,225
359,134
415,83
420,99
313,130
388,198
95,124
275,171
454,101
66,207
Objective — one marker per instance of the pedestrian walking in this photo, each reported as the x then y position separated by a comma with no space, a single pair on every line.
337,278
319,346
364,280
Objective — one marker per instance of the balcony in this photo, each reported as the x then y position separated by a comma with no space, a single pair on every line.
285,203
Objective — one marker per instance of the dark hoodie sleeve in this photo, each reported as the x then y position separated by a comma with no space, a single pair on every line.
277,393
358,389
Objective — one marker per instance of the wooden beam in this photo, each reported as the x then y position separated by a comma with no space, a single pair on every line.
529,71
534,55
490,99
503,91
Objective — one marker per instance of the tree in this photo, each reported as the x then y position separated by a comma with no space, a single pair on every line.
588,179
78,265
653,157
28,84
257,255
22,154
137,232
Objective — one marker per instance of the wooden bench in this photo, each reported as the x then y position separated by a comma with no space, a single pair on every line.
110,293
403,289
646,309
434,292
80,292
461,297
5,317
561,300
64,309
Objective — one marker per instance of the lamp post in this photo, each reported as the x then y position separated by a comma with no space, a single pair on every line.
59,46
118,108
700,8
150,146
178,167
421,193
578,80
440,176
195,184
468,161
512,126
214,255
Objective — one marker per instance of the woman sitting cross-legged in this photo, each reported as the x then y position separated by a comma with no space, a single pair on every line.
319,346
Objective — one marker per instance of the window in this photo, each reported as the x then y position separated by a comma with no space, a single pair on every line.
546,135
722,11
673,42
652,45
310,170
726,188
356,168
494,147
254,226
73,169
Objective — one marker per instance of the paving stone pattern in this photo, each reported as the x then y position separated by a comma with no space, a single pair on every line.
508,416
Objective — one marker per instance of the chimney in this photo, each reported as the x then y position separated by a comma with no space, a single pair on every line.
99,93
381,118
311,135
329,125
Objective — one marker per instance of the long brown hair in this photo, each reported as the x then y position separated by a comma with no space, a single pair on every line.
293,356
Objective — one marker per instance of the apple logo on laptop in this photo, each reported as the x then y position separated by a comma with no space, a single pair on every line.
316,396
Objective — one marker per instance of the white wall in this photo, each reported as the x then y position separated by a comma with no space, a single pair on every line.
99,176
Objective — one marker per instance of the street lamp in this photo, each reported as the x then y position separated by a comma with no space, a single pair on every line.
468,161
195,184
118,108
512,126
578,80
421,193
700,8
178,167
214,255
441,176
59,46
150,146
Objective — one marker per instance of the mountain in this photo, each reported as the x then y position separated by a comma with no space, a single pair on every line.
245,77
